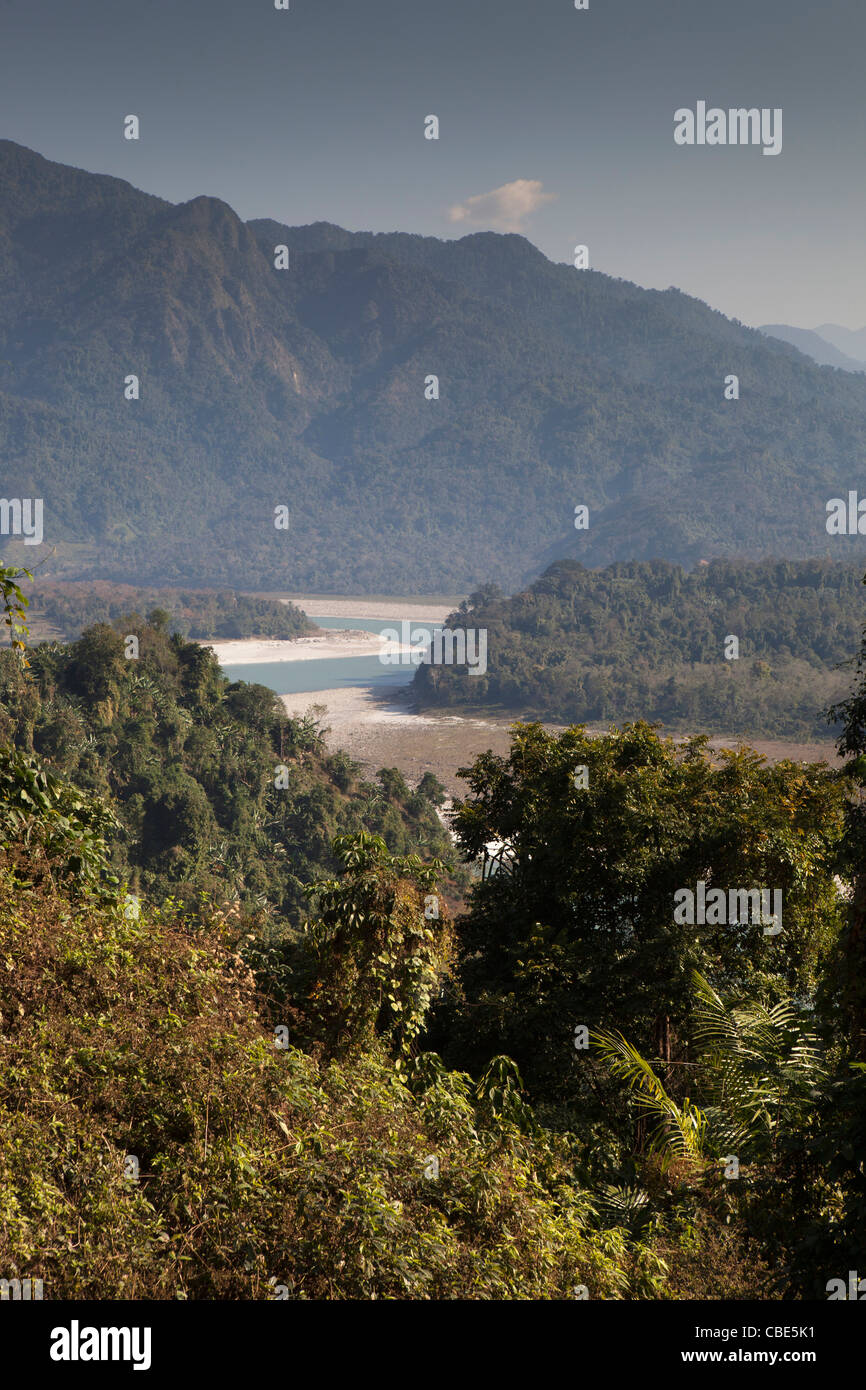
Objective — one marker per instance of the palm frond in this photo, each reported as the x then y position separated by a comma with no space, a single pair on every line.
680,1130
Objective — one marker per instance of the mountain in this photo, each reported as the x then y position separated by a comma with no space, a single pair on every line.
848,340
306,388
813,345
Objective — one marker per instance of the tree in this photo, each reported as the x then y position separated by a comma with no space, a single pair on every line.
582,931
50,829
97,663
159,618
431,789
14,602
381,941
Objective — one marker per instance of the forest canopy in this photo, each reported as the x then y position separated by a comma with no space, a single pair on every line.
64,610
651,641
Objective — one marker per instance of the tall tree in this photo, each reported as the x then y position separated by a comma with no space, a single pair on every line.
581,930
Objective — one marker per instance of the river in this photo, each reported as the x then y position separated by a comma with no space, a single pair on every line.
332,673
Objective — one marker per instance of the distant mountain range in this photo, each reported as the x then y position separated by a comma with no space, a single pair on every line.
823,344
848,340
305,388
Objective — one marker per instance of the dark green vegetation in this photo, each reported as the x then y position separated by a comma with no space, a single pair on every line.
204,614
538,1095
143,1097
649,1041
305,387
648,641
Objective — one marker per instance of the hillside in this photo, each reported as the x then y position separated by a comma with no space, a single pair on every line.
67,608
217,792
305,388
848,340
256,1059
649,641
143,1097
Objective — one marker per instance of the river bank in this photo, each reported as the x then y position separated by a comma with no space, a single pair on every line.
378,728
416,610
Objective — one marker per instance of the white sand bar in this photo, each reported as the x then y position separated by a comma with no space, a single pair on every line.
354,705
360,705
330,643
254,651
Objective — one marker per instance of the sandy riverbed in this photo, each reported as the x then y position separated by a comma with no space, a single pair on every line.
332,642
378,729
376,725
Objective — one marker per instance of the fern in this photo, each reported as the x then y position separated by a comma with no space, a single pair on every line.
761,1067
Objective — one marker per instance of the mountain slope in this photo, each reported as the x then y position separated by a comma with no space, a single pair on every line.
306,387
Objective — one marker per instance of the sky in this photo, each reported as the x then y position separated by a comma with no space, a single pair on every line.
553,122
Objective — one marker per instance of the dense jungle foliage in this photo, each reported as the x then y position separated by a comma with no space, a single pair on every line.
216,790
557,1089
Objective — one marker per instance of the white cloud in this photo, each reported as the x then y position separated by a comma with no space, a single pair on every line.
503,209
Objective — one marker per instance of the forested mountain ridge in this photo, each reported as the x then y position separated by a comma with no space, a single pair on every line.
65,609
811,343
305,388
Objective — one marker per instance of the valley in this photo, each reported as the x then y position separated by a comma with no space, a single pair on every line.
374,718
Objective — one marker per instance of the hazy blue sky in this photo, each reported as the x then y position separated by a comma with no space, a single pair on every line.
318,113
